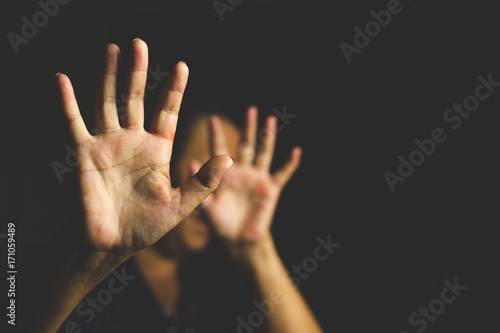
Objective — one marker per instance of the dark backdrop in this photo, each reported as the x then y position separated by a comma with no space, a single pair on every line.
352,120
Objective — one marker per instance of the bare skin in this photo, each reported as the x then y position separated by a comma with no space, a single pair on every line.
127,199
123,178
128,206
243,208
241,211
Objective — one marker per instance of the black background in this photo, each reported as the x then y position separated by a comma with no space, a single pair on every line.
352,120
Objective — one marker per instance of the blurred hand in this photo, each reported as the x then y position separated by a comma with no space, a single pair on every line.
123,175
242,208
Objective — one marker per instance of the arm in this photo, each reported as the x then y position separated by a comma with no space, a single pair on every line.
242,210
61,285
125,198
270,283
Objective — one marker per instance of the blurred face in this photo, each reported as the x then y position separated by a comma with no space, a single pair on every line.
195,232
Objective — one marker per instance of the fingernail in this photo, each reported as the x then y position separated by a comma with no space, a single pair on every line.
182,62
133,40
58,73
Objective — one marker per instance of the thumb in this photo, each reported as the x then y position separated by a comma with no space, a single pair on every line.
202,184
194,167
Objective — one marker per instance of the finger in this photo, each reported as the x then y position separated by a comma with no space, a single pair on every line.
106,117
283,175
268,138
247,149
202,184
218,139
194,167
135,86
74,122
164,121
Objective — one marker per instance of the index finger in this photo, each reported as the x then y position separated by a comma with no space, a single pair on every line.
218,144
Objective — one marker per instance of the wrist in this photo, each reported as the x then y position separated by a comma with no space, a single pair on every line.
93,263
259,264
77,257
76,260
254,254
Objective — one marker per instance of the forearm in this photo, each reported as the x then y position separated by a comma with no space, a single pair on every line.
274,289
62,277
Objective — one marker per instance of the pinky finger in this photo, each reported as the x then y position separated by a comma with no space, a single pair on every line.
283,175
74,122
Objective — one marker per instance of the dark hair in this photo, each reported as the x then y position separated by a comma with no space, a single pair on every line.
200,105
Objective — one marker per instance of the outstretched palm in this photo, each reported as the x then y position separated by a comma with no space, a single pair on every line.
123,177
242,208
